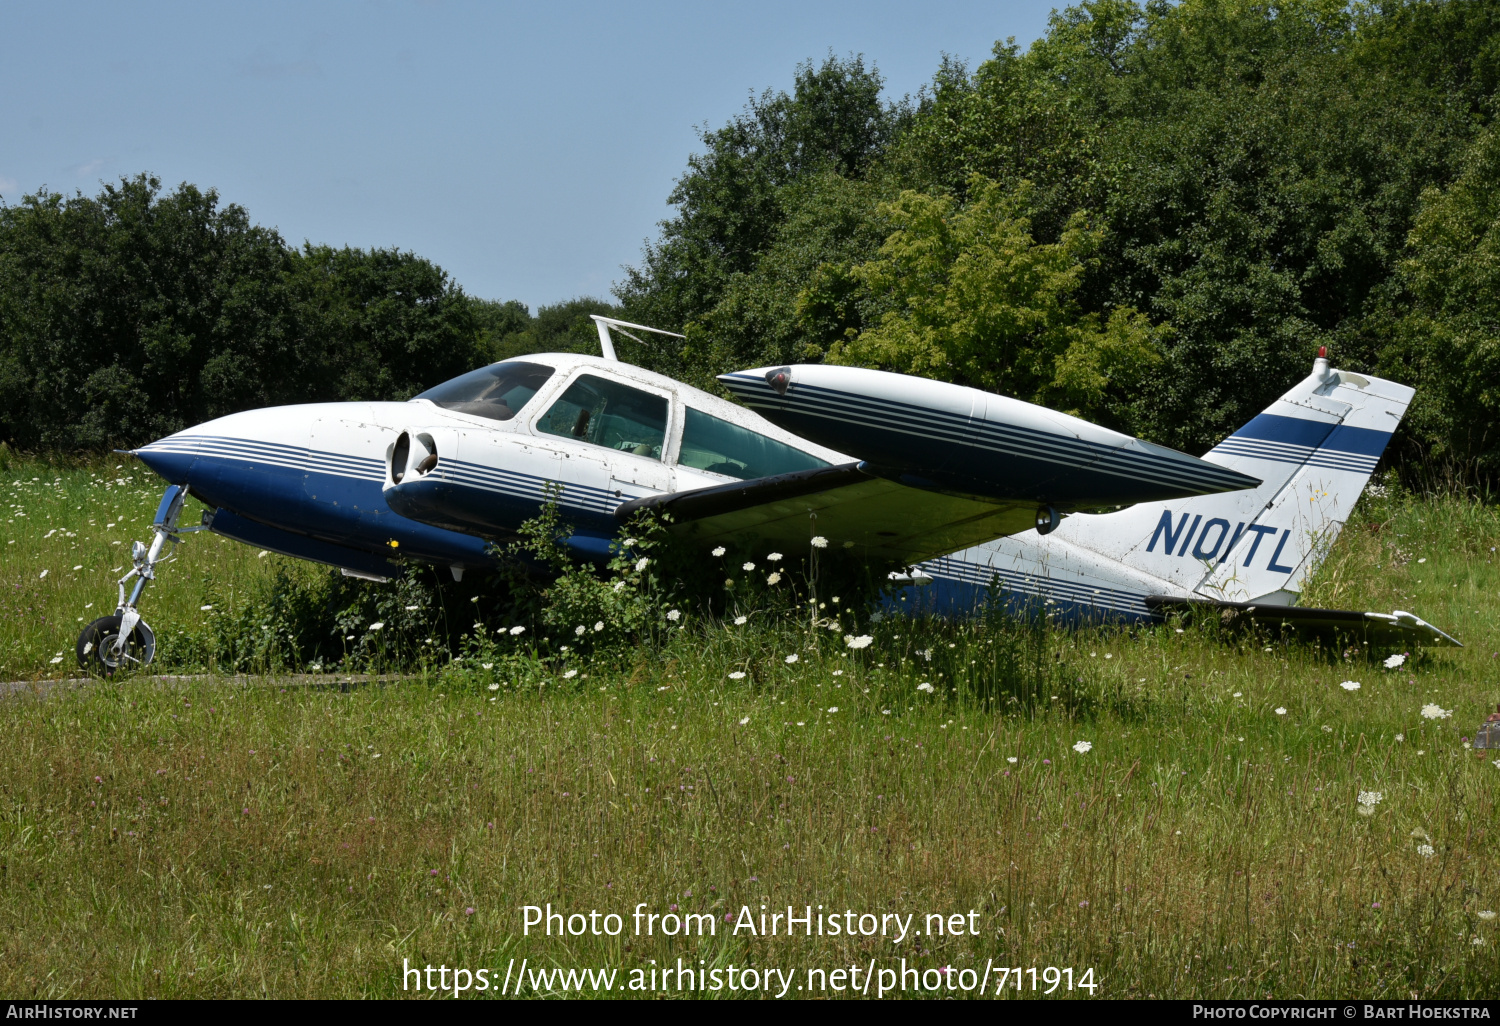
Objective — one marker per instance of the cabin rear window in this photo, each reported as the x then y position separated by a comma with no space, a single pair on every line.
720,447
497,392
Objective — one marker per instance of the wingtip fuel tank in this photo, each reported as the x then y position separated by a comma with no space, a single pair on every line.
952,438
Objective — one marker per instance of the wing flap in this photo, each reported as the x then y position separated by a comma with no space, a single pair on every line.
849,506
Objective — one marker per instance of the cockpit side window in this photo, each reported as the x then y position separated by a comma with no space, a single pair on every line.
603,412
720,447
497,392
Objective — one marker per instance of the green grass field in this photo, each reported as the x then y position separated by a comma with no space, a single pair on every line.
219,837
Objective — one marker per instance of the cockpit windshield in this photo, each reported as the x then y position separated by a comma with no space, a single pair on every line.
497,392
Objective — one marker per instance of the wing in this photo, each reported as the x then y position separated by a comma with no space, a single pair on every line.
1397,628
847,504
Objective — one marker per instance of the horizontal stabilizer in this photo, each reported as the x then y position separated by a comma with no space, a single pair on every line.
848,505
1397,628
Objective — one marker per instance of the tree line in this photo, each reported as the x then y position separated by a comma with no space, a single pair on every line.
1151,217
137,312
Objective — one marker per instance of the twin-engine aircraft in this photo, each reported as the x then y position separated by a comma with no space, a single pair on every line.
960,487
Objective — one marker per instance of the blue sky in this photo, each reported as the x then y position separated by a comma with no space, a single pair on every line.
528,149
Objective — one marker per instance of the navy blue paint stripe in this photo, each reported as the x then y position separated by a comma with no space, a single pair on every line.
1314,434
1042,587
1365,441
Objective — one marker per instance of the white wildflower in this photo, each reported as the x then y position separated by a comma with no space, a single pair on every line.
748,566
792,658
774,557
55,659
1237,694
674,615
739,621
570,675
1425,850
1435,712
579,630
1082,747
495,687
773,578
863,641
1395,661
627,543
719,551
377,625
641,564
1400,737
262,554
924,686
833,708
838,673
744,721
1011,758
1281,710
1350,685
205,609
819,542
516,632
598,626
44,574
1370,798
1487,915
737,675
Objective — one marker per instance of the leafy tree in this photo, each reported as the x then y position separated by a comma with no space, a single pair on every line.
1450,338
130,315
496,322
133,314
382,324
731,200
973,298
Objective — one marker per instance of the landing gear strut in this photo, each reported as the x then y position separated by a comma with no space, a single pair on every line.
124,641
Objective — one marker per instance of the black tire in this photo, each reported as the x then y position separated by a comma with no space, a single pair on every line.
100,651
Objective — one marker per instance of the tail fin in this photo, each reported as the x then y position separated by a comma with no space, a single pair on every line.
1313,449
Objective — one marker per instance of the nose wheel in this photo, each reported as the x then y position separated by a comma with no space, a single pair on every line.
107,646
123,641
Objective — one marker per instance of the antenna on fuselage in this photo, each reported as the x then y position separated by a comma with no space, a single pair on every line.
607,343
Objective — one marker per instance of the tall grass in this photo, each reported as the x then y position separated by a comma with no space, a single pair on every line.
219,838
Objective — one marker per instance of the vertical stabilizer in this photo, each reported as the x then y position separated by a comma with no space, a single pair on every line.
1313,450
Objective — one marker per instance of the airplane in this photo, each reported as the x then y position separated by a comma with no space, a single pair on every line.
921,470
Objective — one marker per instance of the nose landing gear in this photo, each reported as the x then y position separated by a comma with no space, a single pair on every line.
124,641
